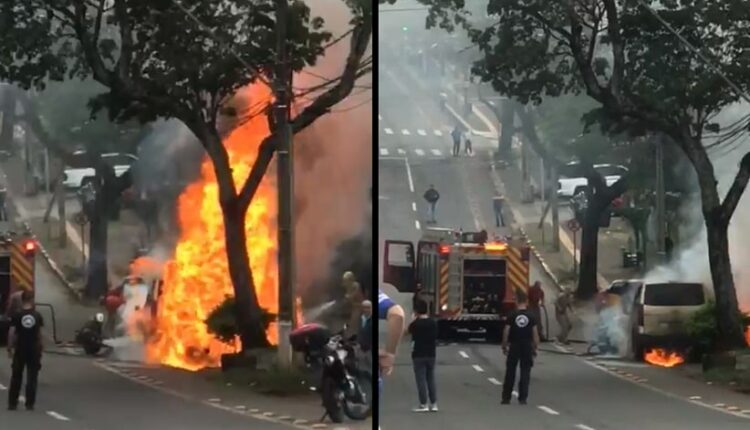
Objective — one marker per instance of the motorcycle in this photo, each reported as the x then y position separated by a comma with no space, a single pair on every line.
91,335
344,388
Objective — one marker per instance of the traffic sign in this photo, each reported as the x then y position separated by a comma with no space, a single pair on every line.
573,225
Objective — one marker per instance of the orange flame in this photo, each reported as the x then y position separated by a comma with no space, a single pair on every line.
663,358
747,335
197,280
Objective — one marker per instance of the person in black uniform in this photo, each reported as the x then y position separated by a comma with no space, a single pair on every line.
25,348
520,340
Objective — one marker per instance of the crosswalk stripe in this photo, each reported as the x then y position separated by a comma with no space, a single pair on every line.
436,152
438,133
405,132
401,151
422,132
383,151
419,152
388,131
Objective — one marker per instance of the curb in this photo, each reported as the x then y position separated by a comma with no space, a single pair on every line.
268,416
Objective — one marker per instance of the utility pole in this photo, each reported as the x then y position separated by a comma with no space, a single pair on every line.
552,196
285,179
660,213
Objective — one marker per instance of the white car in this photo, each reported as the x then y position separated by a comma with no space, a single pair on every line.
569,185
77,177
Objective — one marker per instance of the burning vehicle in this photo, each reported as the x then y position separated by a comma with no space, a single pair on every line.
655,315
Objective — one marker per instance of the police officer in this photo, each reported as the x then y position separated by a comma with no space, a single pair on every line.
25,348
520,340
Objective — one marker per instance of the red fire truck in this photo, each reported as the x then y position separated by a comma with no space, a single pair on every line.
468,282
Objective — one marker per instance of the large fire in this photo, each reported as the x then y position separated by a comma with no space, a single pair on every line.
197,280
663,358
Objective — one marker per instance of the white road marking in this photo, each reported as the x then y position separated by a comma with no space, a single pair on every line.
548,410
416,223
408,175
463,354
58,416
383,151
388,131
494,381
413,206
421,132
2,387
380,117
436,152
419,152
477,367
401,151
438,133
584,427
405,132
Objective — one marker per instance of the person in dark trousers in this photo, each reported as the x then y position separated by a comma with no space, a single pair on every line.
25,348
432,197
468,149
668,248
423,331
536,301
456,135
520,341
497,205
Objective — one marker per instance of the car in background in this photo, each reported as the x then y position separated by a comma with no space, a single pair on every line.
571,183
78,177
661,314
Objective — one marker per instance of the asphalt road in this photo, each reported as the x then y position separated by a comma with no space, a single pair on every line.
567,392
76,394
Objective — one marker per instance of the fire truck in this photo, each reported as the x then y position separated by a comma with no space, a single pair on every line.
468,282
17,270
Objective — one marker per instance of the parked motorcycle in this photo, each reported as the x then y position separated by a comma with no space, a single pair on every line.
344,388
91,335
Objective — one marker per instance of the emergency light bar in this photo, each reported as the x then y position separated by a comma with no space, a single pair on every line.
495,247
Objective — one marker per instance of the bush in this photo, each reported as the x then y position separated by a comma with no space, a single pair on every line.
222,321
703,329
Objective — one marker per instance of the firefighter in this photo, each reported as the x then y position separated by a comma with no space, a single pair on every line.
563,304
536,301
432,196
520,341
25,348
497,205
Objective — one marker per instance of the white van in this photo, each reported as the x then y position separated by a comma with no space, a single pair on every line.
662,312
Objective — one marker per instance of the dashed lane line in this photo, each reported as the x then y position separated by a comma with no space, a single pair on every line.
419,152
463,354
436,152
388,131
2,387
438,133
383,152
405,132
548,410
401,151
414,206
416,224
408,175
477,367
584,427
58,416
494,381
421,132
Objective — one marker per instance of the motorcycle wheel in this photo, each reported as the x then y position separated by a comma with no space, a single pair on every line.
329,392
359,409
92,346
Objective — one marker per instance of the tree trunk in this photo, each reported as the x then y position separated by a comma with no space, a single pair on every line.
727,310
555,207
249,315
8,94
587,279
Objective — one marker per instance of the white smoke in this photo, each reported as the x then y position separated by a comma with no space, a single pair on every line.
690,263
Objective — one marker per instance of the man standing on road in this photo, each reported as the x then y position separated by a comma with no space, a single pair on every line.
423,330
563,304
497,205
25,348
432,196
456,135
520,341
536,301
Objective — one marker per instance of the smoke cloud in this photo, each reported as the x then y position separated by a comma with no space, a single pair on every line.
691,258
333,167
